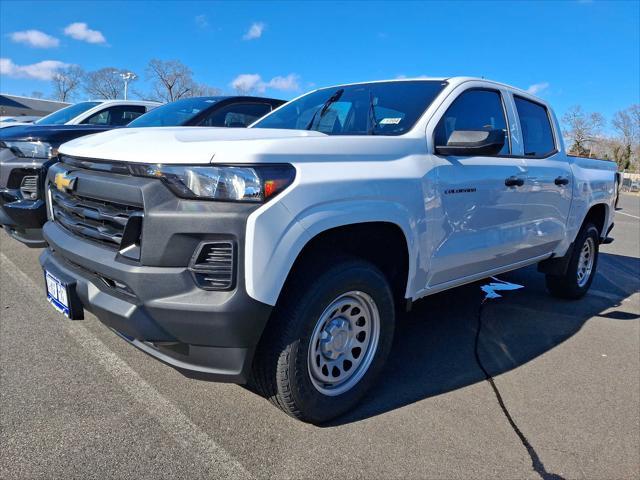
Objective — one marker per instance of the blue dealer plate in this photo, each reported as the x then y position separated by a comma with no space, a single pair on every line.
57,294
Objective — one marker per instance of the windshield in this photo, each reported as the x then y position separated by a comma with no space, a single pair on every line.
384,108
175,113
66,114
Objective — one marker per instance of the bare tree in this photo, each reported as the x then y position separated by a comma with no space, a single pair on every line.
623,124
146,96
634,112
202,90
626,123
106,83
171,79
582,130
66,82
37,94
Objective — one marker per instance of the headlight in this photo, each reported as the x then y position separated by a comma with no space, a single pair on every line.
31,149
221,182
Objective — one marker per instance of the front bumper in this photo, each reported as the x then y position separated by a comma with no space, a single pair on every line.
165,314
154,303
21,217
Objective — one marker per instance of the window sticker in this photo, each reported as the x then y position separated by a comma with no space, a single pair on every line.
390,121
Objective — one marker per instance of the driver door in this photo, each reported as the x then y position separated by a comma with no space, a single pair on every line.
479,224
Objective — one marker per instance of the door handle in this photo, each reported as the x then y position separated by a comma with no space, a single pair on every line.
514,181
561,181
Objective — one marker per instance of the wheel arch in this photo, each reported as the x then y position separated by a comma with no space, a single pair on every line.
382,243
268,265
598,215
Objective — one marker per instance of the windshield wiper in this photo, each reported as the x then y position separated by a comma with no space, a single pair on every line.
325,106
373,123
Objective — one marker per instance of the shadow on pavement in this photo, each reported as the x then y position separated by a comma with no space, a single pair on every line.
433,350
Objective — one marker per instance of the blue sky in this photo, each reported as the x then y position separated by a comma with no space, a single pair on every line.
574,52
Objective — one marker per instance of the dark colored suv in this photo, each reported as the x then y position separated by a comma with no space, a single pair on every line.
208,112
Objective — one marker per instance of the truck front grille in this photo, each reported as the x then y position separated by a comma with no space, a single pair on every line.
94,219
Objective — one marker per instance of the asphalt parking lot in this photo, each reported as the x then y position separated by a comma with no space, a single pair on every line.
78,402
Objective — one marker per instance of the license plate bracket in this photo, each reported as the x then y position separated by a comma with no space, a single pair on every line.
62,296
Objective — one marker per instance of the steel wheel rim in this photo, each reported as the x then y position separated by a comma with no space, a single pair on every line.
343,343
585,263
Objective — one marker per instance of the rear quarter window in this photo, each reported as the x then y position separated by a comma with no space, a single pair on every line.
537,134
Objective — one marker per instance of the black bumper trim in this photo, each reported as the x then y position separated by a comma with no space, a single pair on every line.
209,363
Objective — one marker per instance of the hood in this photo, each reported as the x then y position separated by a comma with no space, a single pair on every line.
180,144
13,124
53,134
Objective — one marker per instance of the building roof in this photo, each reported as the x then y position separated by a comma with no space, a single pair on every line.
27,103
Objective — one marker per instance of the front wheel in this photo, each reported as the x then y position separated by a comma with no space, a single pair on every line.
581,268
327,340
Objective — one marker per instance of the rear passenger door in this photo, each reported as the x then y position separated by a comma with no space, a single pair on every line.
236,115
477,225
549,178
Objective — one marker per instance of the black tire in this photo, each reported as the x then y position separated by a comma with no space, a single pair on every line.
567,286
281,370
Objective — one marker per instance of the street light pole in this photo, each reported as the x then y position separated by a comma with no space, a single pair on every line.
127,77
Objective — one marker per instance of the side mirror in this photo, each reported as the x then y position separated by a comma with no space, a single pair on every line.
465,143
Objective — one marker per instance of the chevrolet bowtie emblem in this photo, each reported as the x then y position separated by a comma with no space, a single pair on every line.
63,181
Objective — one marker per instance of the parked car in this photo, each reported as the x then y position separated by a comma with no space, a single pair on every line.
25,205
115,113
14,121
233,111
279,254
25,149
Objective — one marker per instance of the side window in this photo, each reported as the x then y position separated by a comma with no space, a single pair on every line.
236,115
473,110
116,116
100,118
536,128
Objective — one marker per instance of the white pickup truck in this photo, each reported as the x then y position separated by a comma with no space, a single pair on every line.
281,254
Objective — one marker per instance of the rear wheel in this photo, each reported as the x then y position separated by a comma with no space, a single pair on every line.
327,340
581,268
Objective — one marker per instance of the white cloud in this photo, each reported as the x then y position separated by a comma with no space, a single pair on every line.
40,71
537,88
247,82
290,82
255,31
252,82
35,38
81,31
202,21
